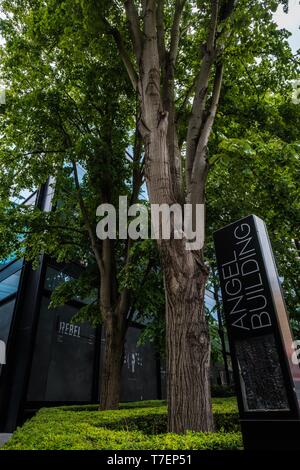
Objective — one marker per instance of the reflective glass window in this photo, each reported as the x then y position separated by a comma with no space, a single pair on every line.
54,278
9,285
6,313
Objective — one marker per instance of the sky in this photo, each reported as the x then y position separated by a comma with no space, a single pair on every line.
291,22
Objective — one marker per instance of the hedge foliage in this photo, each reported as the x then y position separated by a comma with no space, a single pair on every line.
135,426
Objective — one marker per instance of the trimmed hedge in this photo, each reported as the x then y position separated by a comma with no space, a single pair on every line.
135,426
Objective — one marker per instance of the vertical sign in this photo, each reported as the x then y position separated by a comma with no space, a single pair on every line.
260,339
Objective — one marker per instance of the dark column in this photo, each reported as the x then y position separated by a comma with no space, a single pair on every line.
97,366
21,342
158,377
221,333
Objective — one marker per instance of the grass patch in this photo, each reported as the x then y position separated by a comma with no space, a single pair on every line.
135,426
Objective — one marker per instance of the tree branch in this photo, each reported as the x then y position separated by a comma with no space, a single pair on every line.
195,121
167,66
150,24
210,45
161,33
133,19
200,166
175,32
114,32
86,219
144,279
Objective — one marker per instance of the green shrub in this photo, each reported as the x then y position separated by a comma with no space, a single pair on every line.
133,426
122,406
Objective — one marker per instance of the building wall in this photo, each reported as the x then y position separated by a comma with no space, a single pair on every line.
51,360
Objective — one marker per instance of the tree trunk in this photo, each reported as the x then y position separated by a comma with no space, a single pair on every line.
187,335
188,343
110,380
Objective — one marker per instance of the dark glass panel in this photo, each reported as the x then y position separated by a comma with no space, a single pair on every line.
55,278
62,368
9,285
6,313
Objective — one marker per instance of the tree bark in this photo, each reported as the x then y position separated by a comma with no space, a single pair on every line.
110,379
188,342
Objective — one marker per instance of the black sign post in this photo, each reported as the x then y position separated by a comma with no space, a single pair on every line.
266,374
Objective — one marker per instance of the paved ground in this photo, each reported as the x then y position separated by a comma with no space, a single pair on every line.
4,438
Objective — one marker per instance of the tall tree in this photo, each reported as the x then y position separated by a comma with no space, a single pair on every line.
176,151
59,121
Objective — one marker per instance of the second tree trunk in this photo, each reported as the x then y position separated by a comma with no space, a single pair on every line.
110,380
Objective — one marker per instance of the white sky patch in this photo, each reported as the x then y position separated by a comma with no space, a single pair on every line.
291,22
